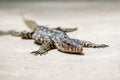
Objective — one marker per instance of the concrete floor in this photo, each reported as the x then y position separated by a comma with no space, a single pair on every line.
98,22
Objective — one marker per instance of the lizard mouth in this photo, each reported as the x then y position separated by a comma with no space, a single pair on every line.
70,48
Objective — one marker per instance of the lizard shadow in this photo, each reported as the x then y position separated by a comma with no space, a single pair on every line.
82,54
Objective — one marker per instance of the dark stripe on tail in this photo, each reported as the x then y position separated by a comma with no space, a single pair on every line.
26,35
23,35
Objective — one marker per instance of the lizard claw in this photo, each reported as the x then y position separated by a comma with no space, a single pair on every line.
39,52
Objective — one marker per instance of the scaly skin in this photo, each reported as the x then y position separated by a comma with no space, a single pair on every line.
52,38
55,38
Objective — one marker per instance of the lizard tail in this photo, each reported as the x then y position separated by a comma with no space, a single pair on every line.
30,24
2,33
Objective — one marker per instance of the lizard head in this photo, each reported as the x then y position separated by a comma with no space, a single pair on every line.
71,46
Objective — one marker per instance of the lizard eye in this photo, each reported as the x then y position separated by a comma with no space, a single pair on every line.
46,41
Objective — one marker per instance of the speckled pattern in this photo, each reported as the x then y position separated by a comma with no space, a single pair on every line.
54,38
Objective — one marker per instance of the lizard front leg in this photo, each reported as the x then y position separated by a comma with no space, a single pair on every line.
66,29
46,46
89,44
